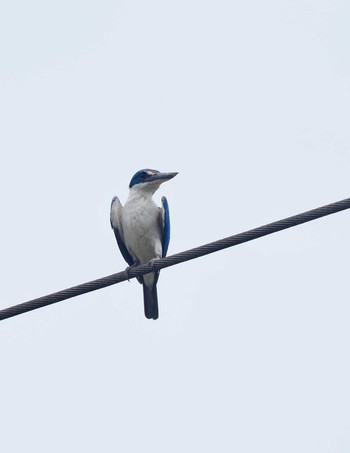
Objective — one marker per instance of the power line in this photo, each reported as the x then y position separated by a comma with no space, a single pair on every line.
187,255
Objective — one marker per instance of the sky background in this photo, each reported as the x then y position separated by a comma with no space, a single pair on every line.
250,103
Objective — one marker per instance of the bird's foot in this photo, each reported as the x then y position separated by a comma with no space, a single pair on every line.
127,270
151,264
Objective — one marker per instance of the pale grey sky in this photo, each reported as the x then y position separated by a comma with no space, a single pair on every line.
249,102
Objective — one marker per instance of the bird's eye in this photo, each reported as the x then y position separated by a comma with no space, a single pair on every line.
143,175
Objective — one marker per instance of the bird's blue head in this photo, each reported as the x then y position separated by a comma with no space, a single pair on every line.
150,177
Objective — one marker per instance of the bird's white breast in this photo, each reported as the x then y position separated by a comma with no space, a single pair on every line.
141,228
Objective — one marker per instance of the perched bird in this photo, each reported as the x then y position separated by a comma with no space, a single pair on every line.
142,230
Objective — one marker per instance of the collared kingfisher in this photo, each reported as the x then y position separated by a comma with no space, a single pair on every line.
142,230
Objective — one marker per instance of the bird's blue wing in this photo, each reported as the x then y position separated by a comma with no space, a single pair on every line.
115,224
166,227
123,249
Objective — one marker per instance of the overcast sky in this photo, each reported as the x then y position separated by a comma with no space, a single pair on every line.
250,103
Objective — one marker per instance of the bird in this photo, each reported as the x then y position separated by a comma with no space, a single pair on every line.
142,230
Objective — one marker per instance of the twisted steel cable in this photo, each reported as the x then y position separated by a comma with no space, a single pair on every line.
181,257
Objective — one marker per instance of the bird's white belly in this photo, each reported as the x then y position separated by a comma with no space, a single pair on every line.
141,231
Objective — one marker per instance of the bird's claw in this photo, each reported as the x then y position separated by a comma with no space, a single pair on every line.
151,264
127,271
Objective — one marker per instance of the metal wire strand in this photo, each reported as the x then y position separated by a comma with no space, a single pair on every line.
172,260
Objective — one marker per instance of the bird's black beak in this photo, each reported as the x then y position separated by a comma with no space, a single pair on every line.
162,177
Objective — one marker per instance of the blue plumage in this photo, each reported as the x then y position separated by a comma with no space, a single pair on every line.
166,227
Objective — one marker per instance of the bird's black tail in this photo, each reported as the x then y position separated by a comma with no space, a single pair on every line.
150,300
